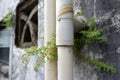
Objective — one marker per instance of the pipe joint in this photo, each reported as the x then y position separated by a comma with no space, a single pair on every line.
64,11
64,32
64,19
64,26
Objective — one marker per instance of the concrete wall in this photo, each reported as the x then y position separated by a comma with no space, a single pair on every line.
18,70
6,6
107,14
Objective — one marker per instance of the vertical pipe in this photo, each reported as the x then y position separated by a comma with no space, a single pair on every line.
65,65
50,66
50,70
64,38
64,26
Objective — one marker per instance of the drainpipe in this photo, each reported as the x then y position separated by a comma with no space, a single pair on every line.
78,20
50,23
64,38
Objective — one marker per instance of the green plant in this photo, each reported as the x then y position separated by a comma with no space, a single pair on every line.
97,64
91,22
8,20
91,35
49,51
80,39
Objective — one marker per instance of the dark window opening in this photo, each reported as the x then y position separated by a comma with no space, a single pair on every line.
26,23
27,37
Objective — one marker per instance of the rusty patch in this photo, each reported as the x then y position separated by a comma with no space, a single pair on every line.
67,8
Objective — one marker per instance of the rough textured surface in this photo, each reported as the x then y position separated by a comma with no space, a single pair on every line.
4,69
18,70
6,6
107,15
107,12
108,20
22,72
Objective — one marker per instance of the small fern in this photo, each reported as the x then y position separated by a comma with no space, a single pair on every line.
91,23
93,36
97,64
49,51
8,20
89,36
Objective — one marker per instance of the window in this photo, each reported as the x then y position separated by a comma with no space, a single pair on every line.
26,23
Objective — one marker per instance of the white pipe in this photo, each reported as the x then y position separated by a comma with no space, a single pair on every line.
64,28
64,38
50,70
50,66
65,65
78,21
49,19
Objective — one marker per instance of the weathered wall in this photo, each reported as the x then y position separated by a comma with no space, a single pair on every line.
6,6
3,71
107,14
18,71
82,70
